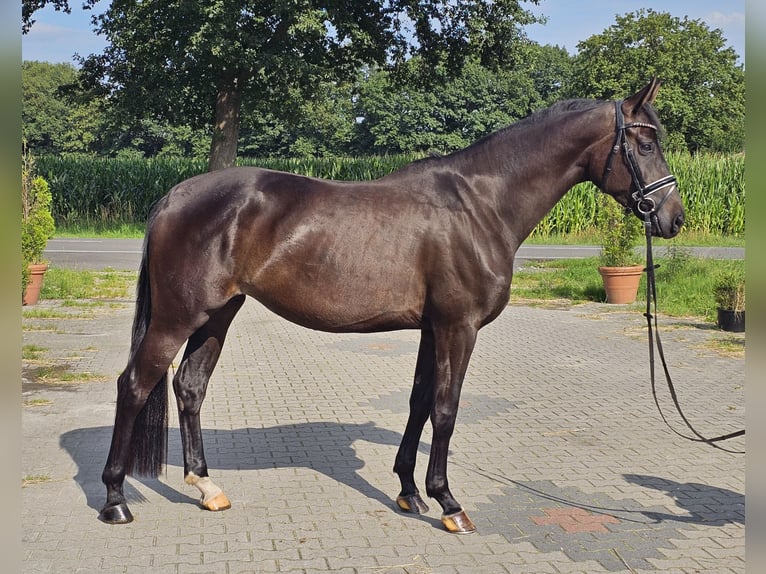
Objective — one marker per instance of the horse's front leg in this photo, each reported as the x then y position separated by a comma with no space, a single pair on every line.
454,345
190,386
421,400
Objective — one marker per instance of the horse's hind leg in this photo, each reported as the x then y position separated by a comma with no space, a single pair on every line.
421,401
190,384
139,436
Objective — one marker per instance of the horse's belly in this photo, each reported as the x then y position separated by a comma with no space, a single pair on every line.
338,314
341,300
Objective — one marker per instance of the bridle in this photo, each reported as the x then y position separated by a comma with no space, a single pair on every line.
644,203
646,207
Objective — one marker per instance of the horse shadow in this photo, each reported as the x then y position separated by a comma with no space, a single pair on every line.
709,505
328,448
325,447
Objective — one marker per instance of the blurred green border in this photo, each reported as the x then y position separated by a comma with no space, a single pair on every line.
755,236
10,288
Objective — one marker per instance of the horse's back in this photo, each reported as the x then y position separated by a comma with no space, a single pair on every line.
330,255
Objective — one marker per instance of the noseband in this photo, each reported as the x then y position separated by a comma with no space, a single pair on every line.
643,201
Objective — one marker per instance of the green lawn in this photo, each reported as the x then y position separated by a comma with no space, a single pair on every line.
69,284
684,283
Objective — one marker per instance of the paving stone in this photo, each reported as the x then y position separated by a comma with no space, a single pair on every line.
557,424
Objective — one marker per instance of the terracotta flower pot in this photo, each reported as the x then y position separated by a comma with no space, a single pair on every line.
32,292
621,283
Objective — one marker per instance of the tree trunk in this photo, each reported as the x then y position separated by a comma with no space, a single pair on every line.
223,147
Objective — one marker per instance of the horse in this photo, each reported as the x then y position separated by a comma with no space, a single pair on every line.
429,246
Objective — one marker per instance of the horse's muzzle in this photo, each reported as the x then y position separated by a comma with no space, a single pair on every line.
667,229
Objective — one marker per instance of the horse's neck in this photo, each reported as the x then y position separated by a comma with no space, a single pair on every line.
533,168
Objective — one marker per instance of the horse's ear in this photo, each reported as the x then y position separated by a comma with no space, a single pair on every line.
645,96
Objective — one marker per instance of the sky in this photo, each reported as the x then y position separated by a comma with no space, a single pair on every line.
56,37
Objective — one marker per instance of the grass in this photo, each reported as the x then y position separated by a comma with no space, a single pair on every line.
684,283
41,313
69,284
106,230
698,239
35,479
38,403
576,280
32,352
60,373
40,327
685,238
732,346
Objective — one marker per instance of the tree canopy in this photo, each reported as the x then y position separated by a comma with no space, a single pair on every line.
51,122
221,77
207,61
703,96
451,114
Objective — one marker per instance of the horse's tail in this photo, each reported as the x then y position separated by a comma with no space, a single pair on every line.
149,439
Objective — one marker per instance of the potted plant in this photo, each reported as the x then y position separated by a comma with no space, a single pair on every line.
620,268
729,294
36,228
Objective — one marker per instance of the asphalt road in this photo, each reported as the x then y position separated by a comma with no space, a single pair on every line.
125,254
94,254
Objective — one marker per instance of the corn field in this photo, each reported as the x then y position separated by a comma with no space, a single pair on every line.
105,191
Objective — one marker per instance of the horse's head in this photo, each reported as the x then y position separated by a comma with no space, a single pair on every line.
633,170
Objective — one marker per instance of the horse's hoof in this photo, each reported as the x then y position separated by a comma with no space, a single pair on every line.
412,503
218,502
117,514
458,522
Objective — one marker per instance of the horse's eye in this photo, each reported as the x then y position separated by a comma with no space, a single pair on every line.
646,147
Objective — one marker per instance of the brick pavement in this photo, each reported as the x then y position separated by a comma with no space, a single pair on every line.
559,455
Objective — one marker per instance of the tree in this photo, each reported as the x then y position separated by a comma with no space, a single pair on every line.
550,69
42,108
205,62
53,121
702,101
322,125
443,115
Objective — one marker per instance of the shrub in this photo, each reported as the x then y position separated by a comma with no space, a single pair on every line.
729,291
36,220
619,232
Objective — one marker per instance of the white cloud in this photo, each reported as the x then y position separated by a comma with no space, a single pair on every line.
732,25
721,20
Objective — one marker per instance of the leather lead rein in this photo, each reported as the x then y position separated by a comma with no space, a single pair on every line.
646,205
654,333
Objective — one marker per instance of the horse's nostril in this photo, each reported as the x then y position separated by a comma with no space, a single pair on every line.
678,222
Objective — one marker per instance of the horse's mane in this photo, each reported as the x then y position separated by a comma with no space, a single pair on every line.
560,108
556,109
551,112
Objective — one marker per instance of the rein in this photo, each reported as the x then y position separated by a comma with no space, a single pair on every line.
646,205
654,334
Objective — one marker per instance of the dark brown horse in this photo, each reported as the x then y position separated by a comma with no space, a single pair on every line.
428,247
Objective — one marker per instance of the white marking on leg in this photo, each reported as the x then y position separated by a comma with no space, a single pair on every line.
206,486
